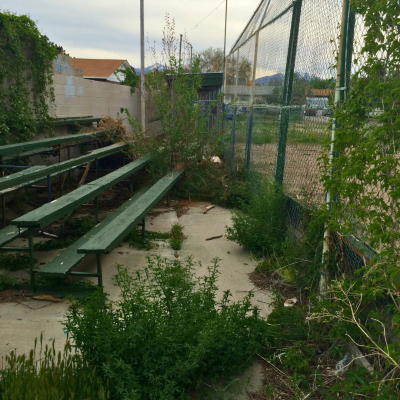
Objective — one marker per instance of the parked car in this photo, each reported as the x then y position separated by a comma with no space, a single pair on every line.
310,111
327,112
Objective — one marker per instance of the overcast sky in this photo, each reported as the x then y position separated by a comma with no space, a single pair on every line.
111,29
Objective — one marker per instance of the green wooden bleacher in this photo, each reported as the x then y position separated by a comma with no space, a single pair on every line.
109,233
19,148
50,212
107,239
40,172
62,264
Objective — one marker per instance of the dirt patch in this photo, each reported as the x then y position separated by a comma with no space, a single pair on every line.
302,175
182,205
13,296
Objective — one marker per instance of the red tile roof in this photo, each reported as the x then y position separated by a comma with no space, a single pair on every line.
316,92
95,68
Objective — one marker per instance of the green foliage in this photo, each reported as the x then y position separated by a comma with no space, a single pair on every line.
81,225
302,255
286,325
5,282
363,181
187,139
136,239
14,261
49,375
53,244
176,237
130,78
261,226
25,77
167,333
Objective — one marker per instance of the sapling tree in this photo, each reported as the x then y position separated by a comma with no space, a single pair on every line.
191,126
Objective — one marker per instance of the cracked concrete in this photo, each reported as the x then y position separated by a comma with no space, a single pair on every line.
22,322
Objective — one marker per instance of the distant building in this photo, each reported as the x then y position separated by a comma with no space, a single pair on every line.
101,70
318,98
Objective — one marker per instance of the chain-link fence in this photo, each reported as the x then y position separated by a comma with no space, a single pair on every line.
281,79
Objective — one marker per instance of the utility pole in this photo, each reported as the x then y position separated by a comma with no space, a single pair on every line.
180,50
191,58
142,97
223,70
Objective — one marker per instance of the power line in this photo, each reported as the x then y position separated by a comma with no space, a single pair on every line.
219,5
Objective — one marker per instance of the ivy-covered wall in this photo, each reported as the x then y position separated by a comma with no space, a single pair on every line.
26,71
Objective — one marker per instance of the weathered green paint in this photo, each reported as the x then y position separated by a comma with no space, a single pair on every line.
211,79
73,121
42,171
107,239
26,146
50,212
30,153
10,233
61,265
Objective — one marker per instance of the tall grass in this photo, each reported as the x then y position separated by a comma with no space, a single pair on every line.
49,375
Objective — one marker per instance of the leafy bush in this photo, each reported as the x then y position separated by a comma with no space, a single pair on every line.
176,237
50,376
167,333
136,239
261,226
5,281
14,261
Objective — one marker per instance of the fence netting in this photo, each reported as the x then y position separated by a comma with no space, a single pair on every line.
280,92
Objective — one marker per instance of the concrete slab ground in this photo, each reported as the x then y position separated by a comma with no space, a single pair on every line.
22,321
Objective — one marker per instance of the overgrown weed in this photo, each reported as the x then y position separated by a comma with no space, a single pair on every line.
168,333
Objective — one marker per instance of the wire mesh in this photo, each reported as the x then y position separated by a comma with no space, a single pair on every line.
312,98
273,45
284,104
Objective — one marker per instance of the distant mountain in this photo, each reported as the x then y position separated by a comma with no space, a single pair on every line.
153,67
265,80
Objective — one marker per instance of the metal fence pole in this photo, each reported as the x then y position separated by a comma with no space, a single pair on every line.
249,139
250,121
342,87
233,138
287,93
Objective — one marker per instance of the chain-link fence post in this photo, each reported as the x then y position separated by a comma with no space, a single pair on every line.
342,87
250,121
287,93
233,137
249,135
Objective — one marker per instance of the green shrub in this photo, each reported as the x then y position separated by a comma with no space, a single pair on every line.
136,239
176,237
5,282
261,226
53,244
303,251
50,375
14,261
167,333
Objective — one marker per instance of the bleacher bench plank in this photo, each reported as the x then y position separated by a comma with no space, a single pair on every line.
30,153
69,258
56,209
21,147
10,233
107,239
42,171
